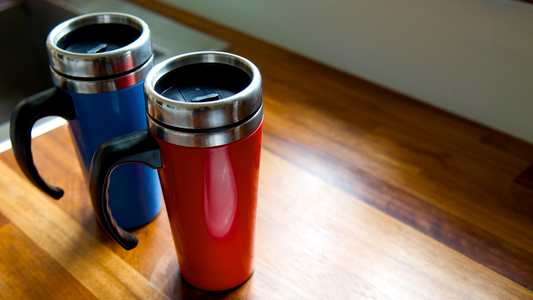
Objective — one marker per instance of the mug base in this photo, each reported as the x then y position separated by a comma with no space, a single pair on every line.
212,287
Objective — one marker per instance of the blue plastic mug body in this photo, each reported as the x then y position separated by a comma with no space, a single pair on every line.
134,189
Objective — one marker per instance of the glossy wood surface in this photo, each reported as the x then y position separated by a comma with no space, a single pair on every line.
364,194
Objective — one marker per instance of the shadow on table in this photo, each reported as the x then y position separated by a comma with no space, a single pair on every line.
181,289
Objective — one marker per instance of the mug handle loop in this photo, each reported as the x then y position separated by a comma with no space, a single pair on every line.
137,147
52,102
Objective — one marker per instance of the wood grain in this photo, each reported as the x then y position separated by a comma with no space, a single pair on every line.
100,270
458,234
3,220
20,253
509,144
345,245
526,178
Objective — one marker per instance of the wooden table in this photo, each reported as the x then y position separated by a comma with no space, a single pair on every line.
364,194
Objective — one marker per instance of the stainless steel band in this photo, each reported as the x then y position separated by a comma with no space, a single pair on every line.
90,65
94,86
206,139
203,115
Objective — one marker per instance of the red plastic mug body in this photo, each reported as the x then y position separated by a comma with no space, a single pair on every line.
211,200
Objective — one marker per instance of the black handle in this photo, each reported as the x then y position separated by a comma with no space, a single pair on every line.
52,102
138,147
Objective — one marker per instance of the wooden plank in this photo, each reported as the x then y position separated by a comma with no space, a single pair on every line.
99,269
459,234
509,144
465,187
155,241
321,239
43,277
526,178
3,220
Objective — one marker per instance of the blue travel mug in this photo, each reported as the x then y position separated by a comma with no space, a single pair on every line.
98,64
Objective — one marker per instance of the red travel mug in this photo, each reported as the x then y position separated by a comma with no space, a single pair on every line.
204,135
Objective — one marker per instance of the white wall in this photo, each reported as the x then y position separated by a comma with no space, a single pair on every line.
471,57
